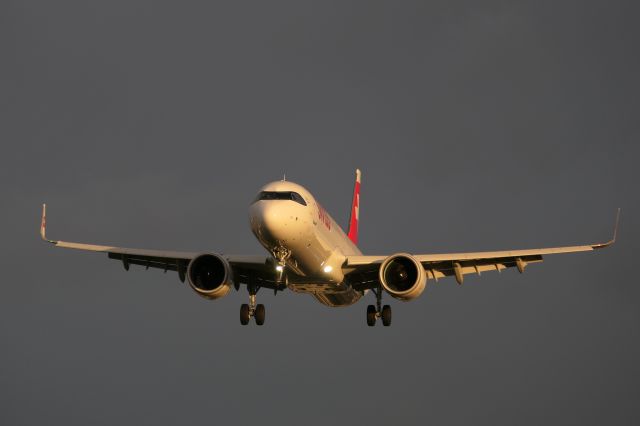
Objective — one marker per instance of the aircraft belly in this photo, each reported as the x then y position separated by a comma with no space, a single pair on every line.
330,294
334,300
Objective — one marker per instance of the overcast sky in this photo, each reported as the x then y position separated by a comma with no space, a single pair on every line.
477,126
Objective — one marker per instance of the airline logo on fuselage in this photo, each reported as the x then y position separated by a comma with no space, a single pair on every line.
323,216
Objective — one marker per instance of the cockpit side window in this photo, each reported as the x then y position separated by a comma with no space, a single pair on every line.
276,195
298,198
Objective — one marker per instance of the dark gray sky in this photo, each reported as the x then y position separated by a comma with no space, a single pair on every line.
478,125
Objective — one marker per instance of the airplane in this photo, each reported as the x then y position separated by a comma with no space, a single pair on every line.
309,253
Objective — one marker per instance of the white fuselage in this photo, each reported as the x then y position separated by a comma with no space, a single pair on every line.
311,244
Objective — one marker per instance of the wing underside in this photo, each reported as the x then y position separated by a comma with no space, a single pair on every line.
363,270
246,269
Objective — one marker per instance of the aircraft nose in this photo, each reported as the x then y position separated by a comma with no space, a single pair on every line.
271,216
271,219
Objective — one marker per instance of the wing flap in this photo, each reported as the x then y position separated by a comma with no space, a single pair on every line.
501,254
436,270
127,251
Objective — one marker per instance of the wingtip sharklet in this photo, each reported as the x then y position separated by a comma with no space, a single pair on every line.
615,228
615,233
43,224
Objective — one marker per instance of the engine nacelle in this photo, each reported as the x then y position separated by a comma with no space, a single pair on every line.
402,276
210,275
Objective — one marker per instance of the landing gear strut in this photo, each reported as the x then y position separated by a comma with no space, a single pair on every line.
247,311
375,312
281,254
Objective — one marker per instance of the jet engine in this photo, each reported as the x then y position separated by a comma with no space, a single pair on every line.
210,275
402,276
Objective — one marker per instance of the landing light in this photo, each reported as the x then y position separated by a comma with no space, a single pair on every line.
328,269
279,268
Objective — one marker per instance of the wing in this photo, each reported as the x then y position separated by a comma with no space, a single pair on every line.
364,269
245,268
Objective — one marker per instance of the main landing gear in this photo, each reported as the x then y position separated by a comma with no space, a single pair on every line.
375,312
247,311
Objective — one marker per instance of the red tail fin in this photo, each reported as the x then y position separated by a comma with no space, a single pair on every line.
355,210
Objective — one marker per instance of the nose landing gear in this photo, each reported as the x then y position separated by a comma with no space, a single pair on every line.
375,312
252,310
281,254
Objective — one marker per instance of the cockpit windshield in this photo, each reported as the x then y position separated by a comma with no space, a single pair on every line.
276,195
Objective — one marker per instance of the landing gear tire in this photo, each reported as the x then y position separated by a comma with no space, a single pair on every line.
386,315
245,314
259,314
371,315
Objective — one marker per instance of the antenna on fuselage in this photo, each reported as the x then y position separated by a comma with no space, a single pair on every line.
284,177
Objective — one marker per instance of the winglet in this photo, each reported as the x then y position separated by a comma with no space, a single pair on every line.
615,233
43,225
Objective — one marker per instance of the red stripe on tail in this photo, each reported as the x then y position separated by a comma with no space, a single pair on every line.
355,210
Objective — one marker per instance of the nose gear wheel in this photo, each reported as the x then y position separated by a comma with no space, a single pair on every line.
281,254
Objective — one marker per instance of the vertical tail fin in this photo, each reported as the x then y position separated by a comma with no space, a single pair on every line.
355,210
